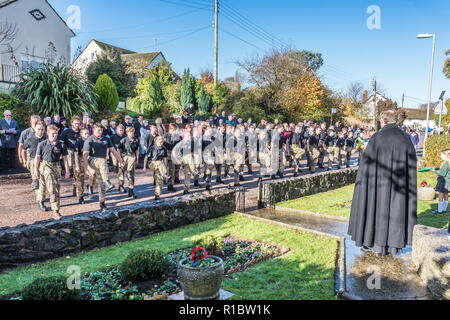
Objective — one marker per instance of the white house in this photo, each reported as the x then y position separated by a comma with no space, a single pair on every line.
41,34
418,117
368,108
96,48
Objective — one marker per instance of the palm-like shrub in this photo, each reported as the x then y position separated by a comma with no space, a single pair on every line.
106,90
56,90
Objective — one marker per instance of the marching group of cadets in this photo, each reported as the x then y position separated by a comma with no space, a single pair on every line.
44,149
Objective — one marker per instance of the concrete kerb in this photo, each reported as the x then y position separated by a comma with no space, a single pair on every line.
315,214
341,288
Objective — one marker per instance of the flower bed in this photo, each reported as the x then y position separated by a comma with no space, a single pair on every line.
237,254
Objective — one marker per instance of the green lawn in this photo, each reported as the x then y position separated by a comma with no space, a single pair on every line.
306,272
326,203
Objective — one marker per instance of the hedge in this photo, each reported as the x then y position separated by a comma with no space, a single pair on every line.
434,146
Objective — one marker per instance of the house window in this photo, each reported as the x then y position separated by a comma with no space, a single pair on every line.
37,14
92,55
30,62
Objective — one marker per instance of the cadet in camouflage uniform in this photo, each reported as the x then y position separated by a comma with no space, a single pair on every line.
69,137
330,147
312,145
79,164
263,149
171,139
95,150
29,152
129,149
279,159
187,147
115,139
340,145
24,135
297,148
157,154
239,156
322,137
47,167
349,147
208,156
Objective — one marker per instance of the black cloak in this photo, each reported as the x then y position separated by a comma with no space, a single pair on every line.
384,207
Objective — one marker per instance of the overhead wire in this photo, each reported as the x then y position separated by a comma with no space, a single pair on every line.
178,38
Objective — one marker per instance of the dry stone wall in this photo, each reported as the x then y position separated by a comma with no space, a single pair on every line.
50,239
274,191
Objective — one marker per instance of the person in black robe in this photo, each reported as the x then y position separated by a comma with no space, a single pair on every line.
384,207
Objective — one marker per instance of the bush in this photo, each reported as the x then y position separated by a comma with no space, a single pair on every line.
21,111
53,288
213,245
55,90
435,144
108,99
144,264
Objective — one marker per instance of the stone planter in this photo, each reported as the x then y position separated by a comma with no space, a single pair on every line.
201,283
426,194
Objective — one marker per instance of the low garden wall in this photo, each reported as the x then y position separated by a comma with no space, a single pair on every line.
274,191
431,257
50,239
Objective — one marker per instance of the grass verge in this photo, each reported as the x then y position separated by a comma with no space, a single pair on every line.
326,203
306,272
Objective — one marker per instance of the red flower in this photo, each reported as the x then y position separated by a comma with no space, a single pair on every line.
423,184
198,254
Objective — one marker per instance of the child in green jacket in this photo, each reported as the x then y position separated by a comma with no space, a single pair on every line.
443,183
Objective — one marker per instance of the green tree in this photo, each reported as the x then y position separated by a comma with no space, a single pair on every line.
112,65
106,90
204,100
447,65
56,90
187,90
156,95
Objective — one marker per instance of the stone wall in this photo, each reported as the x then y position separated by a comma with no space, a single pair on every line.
431,256
50,239
274,191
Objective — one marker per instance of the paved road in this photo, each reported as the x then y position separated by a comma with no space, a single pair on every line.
17,200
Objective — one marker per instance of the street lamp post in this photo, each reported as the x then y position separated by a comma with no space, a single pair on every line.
425,36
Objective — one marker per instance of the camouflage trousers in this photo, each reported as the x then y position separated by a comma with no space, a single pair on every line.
239,161
49,176
129,165
297,154
28,162
30,166
322,155
98,169
209,167
278,164
78,178
188,167
71,160
313,157
174,171
335,153
264,163
159,171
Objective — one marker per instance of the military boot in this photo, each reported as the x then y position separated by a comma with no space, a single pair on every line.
42,207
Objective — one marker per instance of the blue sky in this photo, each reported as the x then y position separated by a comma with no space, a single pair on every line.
337,29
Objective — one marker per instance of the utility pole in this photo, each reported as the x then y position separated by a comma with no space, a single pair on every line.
403,100
375,103
216,45
156,43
